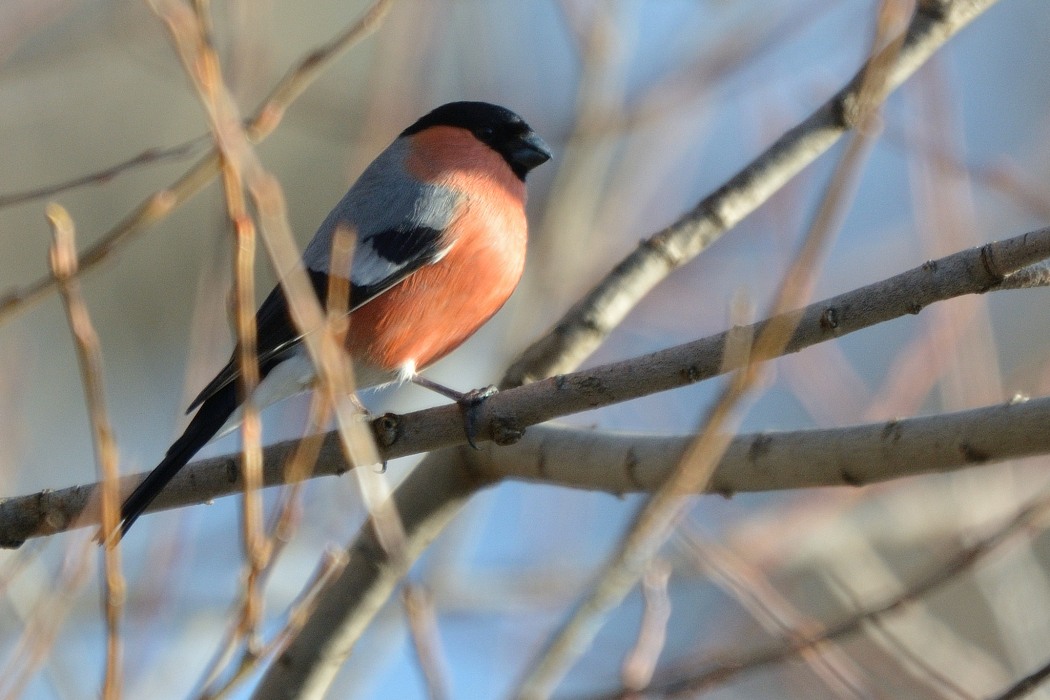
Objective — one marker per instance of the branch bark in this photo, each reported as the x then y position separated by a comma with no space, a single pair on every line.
590,320
507,414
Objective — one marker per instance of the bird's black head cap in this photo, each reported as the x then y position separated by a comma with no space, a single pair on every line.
498,127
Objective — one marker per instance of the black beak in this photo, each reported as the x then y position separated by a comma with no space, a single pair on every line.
530,151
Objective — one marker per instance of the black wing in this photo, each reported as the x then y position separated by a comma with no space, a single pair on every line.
276,338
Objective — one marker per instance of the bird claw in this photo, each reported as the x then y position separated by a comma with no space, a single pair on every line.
470,403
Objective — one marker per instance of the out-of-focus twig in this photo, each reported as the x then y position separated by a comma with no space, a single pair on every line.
1028,522
913,661
147,157
775,613
638,668
298,467
1027,685
191,36
422,622
44,622
331,564
331,362
240,169
161,203
89,356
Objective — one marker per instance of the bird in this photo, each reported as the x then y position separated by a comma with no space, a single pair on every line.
439,219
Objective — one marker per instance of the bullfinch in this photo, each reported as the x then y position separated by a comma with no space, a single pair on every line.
439,218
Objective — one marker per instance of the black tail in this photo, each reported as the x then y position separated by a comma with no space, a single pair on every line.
211,416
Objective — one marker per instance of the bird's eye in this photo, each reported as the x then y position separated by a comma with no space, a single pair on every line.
484,132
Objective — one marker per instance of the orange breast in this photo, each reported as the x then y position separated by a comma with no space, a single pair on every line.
434,310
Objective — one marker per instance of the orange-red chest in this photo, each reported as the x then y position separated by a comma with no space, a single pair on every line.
434,310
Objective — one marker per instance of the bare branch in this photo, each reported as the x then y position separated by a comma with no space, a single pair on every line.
589,321
1027,685
509,412
191,35
422,623
89,355
1028,522
161,203
147,157
620,463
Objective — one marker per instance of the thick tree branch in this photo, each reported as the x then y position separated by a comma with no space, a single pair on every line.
621,463
853,456
507,414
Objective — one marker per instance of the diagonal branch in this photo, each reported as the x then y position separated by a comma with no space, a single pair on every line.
591,319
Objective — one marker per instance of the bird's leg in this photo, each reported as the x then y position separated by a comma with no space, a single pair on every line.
470,402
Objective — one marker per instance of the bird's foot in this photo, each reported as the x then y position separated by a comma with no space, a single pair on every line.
470,402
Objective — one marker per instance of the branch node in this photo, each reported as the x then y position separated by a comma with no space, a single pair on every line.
630,468
387,429
892,431
722,490
505,431
692,374
760,446
973,454
850,479
936,10
233,472
829,319
658,245
991,267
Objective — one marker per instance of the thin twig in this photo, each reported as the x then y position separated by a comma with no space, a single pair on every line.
422,623
1029,521
637,669
147,157
297,468
916,661
331,362
89,355
1027,685
774,612
45,621
161,203
190,35
332,563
